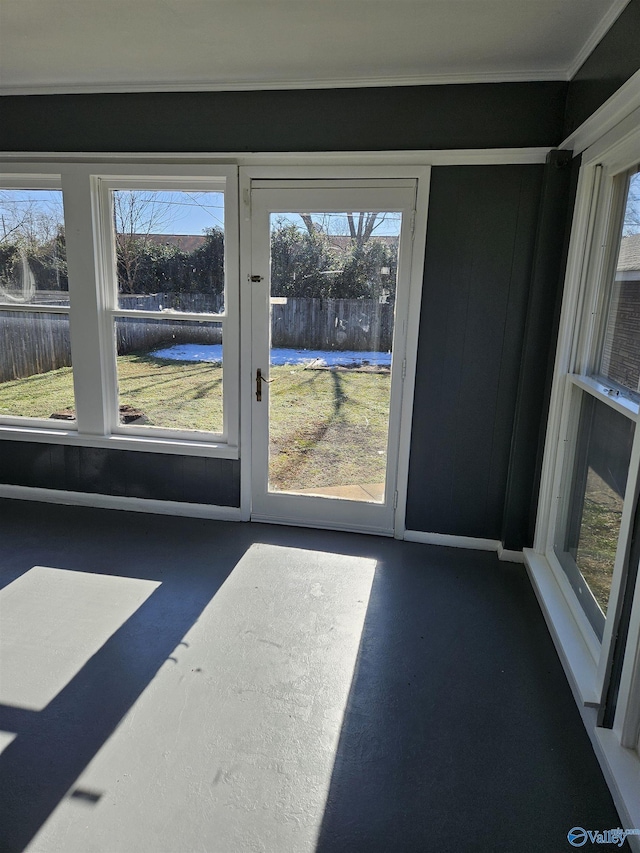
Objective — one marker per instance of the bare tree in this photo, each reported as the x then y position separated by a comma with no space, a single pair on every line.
359,226
138,215
27,220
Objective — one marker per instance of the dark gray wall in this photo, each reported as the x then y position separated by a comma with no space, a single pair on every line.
388,118
480,247
156,476
403,118
538,352
613,61
483,223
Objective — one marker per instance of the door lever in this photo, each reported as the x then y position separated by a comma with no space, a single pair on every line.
259,380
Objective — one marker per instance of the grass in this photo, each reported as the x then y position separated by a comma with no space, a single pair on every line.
598,542
328,427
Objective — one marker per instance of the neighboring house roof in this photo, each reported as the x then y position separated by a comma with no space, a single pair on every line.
185,242
629,257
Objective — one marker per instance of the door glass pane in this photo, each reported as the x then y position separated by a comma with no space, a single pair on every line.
333,287
33,256
620,360
587,546
169,250
35,366
169,374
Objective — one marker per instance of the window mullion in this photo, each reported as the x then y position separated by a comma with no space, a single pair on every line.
86,328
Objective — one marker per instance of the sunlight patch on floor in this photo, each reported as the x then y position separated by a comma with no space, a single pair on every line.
233,743
53,621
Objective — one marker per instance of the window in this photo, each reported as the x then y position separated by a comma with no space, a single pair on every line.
146,306
166,300
36,379
602,406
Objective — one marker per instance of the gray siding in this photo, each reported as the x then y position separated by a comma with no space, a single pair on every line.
155,476
383,119
480,246
612,62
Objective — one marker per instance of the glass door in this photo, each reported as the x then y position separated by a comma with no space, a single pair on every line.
329,283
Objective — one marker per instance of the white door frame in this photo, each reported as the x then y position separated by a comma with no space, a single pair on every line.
247,175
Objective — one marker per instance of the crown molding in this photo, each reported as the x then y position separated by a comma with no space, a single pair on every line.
528,76
608,19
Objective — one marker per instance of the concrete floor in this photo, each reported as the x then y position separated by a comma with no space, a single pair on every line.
182,685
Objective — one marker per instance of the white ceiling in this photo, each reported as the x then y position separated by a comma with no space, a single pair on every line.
142,45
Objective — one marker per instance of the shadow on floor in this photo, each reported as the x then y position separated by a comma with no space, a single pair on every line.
54,745
460,732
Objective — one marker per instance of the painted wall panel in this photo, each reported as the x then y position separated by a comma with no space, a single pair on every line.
155,476
612,62
377,119
482,224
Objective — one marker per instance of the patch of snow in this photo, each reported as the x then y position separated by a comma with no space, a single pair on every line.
321,358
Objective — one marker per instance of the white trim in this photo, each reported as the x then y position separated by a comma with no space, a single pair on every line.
620,766
581,234
98,162
53,435
618,146
573,650
624,100
246,373
532,75
621,770
34,308
604,25
416,283
469,542
448,541
168,314
322,525
55,496
297,188
510,556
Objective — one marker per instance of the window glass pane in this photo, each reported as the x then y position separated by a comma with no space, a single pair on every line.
35,366
333,290
170,250
170,374
33,258
620,360
587,549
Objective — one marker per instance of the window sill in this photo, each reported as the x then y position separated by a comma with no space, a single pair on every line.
573,650
143,444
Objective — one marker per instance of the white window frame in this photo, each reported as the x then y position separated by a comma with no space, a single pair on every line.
93,305
585,659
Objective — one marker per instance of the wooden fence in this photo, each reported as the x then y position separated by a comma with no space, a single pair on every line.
328,324
147,335
31,342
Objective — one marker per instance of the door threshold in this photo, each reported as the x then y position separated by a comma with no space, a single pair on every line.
342,528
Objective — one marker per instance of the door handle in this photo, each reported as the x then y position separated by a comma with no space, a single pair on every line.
259,380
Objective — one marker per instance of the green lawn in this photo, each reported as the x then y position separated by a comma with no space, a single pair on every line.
328,427
599,530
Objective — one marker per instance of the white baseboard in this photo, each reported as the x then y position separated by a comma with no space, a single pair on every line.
470,542
342,528
28,493
510,556
451,541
